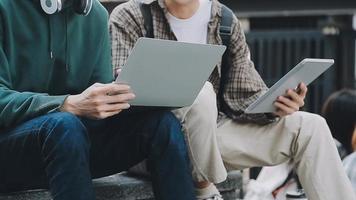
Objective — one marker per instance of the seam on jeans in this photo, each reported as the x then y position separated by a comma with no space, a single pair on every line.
49,131
24,131
38,129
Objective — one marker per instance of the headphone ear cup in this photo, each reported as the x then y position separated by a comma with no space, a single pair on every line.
51,6
82,7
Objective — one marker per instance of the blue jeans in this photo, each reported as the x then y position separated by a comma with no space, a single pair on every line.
63,153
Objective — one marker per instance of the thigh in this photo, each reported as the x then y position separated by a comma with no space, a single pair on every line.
21,164
204,103
249,145
122,141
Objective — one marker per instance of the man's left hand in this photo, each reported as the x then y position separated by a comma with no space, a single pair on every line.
291,102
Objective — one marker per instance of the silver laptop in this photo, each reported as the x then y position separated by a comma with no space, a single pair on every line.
168,73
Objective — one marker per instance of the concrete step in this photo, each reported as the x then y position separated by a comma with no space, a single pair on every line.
127,187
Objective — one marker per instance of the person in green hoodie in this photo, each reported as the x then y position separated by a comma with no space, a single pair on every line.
61,119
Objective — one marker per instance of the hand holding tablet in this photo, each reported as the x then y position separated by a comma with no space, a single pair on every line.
291,101
305,72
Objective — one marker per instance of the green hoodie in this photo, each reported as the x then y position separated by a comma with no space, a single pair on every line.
44,58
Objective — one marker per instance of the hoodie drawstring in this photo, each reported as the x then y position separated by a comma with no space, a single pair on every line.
50,38
67,58
51,35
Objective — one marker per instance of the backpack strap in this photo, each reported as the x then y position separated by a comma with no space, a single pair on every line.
225,33
147,19
225,30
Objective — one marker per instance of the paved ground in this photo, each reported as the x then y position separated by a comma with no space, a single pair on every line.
126,187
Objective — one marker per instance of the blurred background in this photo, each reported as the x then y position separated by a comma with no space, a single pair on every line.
281,33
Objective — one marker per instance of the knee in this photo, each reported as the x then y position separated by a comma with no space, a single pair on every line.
315,126
315,121
204,107
169,132
63,131
320,125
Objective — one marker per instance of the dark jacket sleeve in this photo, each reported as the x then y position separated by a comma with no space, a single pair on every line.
17,106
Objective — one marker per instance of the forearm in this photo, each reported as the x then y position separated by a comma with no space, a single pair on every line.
16,107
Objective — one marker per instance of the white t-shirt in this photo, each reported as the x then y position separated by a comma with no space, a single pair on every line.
194,29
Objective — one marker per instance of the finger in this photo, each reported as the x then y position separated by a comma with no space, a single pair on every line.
113,107
119,98
98,85
116,88
284,108
288,103
112,89
303,89
108,114
117,107
296,98
280,113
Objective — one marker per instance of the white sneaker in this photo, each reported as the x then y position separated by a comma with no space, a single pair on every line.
215,197
208,193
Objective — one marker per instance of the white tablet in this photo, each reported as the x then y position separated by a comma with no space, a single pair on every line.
168,73
306,71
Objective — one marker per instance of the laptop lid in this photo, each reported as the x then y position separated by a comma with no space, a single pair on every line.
168,73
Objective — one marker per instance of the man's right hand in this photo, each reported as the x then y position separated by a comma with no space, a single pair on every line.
99,101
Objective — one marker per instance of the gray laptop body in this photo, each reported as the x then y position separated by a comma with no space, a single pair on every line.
168,73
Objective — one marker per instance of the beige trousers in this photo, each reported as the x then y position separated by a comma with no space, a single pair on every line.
302,138
199,127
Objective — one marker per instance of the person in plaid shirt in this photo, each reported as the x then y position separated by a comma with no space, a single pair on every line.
243,140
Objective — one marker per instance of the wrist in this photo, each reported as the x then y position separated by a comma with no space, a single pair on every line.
68,105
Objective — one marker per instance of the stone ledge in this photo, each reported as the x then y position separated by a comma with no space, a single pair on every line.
126,187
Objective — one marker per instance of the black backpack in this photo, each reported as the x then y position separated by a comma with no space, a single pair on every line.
225,33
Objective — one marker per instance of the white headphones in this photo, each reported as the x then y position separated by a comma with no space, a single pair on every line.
82,7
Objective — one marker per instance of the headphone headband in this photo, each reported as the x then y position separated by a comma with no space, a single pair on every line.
83,7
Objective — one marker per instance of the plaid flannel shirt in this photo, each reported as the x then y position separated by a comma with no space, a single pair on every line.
244,84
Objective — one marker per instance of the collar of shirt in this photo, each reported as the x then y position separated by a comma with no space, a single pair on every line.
216,7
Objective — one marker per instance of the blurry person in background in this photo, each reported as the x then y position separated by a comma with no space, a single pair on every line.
340,113
339,110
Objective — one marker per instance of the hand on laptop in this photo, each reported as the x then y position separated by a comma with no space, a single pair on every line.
291,101
99,101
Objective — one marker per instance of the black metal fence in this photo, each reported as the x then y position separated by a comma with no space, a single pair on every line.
276,52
